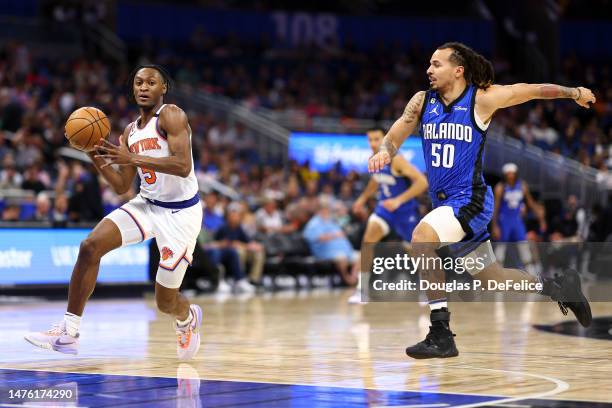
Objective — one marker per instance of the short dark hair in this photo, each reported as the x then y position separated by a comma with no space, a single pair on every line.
477,69
377,129
162,71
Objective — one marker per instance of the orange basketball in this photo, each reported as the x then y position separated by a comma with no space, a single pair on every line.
85,127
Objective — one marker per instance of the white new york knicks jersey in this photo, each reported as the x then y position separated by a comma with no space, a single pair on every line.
150,141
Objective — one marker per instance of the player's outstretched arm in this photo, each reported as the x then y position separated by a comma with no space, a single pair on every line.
399,131
120,179
502,96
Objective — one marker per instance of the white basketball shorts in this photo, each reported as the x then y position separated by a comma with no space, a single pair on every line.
175,230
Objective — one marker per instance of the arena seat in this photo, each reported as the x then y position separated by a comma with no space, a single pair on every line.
28,210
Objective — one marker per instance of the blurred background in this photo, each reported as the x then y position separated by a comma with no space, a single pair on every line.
279,96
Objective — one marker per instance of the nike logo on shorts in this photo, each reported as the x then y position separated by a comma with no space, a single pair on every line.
175,211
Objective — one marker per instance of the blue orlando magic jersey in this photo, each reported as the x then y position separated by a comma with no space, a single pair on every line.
453,144
390,186
512,201
453,148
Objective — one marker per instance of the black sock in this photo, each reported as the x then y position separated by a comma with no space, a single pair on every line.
439,320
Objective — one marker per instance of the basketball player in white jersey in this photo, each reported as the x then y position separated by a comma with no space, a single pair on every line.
157,146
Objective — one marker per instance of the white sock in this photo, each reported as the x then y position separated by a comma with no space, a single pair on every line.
186,321
438,304
73,322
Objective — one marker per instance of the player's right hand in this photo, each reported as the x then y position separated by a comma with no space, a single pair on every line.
586,97
378,161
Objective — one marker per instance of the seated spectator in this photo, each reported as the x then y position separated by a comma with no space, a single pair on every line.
296,217
346,193
218,252
327,241
222,134
570,225
307,174
232,235
85,202
268,217
229,259
10,177
11,212
32,181
43,208
59,216
212,219
4,149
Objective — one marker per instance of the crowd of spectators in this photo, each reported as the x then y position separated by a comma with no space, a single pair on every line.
346,82
37,95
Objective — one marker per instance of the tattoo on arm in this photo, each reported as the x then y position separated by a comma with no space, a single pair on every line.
404,125
552,91
388,146
413,108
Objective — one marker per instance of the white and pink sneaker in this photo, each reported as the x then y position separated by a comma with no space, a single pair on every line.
55,339
188,342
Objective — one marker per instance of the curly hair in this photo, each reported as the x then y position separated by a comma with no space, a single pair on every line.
164,74
477,69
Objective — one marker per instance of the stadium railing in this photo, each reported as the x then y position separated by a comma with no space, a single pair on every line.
272,139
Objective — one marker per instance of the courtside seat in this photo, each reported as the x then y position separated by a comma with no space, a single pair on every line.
289,254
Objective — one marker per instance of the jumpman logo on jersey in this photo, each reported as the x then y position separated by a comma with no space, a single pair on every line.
434,110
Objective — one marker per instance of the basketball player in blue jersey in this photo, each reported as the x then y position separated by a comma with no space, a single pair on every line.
397,184
512,197
454,116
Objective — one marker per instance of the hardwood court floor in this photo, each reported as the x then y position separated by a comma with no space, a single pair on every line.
316,338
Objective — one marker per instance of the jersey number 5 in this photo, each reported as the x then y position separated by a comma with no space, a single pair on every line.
447,158
151,177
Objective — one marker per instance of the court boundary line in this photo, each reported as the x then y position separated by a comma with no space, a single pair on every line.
561,385
263,382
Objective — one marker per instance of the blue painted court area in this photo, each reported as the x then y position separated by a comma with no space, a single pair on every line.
99,390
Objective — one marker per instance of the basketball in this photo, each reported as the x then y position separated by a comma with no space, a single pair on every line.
85,127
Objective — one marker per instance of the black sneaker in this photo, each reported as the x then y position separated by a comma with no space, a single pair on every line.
439,342
567,292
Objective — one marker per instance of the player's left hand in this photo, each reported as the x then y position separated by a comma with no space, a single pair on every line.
586,97
378,161
391,204
113,154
